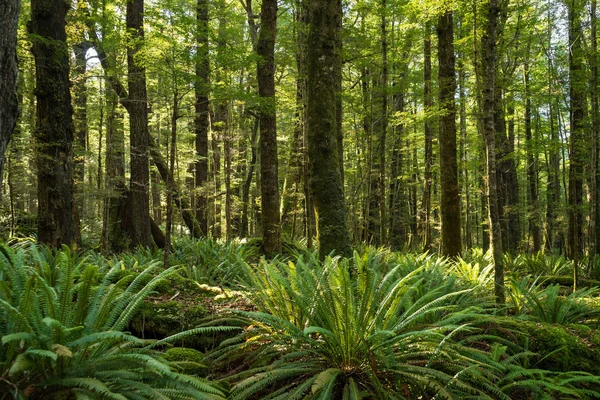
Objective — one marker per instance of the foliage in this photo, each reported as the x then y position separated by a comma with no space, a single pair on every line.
212,262
338,329
62,332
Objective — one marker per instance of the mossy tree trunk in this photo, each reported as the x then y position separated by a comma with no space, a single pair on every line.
271,224
9,103
450,198
54,125
201,121
489,65
578,144
137,106
324,157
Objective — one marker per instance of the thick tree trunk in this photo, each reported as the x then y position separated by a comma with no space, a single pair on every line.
201,120
489,65
137,105
271,224
54,127
450,197
324,162
9,103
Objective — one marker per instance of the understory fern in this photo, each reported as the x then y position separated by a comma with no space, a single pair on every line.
61,329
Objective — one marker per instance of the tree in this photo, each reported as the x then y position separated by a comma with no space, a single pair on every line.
265,48
450,198
202,114
139,183
489,66
323,153
9,110
54,127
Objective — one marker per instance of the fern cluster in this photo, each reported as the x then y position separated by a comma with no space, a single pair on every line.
381,328
61,329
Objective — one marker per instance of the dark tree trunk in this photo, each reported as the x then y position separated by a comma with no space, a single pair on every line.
324,162
140,234
271,224
450,197
489,65
201,121
9,103
248,182
577,159
54,127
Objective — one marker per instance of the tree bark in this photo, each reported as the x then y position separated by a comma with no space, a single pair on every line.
450,197
577,145
324,162
81,133
532,200
9,103
489,66
138,126
201,120
271,224
54,125
428,105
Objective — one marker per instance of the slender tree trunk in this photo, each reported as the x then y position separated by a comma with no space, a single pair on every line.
201,120
138,129
81,133
324,162
54,127
464,154
171,179
428,105
532,200
113,233
383,126
577,159
9,104
450,197
271,224
595,209
489,64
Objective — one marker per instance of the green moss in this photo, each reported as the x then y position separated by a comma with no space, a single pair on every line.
189,361
559,348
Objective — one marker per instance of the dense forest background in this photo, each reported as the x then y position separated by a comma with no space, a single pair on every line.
455,122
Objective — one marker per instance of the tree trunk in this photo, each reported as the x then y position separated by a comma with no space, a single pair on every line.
577,145
114,236
532,200
489,65
595,210
450,197
54,127
324,162
428,105
9,104
271,224
81,133
138,129
201,120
